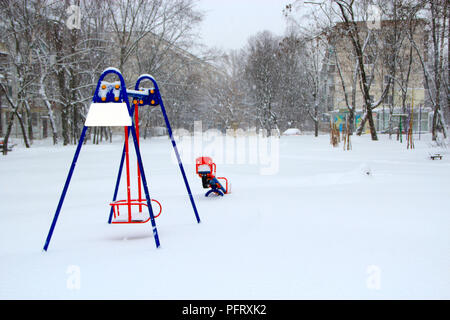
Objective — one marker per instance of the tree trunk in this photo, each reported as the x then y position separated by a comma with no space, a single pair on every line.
436,66
22,127
58,34
352,28
73,84
29,122
50,116
14,112
360,129
448,64
391,111
64,108
8,132
1,117
351,121
65,125
316,121
373,131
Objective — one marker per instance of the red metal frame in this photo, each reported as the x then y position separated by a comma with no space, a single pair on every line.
226,183
136,117
212,166
134,202
127,161
208,161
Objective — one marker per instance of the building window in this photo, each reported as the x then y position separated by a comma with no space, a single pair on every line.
34,119
330,103
387,99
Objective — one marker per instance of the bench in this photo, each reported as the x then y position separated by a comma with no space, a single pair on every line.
10,146
436,156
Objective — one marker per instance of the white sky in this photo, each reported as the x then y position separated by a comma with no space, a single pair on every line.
228,24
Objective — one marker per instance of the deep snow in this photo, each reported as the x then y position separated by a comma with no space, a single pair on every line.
321,227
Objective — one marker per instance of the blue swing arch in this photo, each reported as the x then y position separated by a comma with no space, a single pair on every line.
124,98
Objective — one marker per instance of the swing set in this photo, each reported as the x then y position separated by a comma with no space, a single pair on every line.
111,107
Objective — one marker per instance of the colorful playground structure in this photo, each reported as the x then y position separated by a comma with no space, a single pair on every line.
141,97
111,107
206,169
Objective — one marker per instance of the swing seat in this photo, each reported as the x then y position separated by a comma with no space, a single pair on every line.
111,114
132,217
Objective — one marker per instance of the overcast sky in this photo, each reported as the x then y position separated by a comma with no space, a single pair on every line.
229,23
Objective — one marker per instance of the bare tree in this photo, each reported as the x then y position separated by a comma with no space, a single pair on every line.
162,23
224,93
262,72
295,90
433,69
21,27
349,18
438,17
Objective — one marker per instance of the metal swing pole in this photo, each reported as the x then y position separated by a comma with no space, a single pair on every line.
180,164
127,166
144,182
116,189
119,174
143,178
136,121
66,186
174,145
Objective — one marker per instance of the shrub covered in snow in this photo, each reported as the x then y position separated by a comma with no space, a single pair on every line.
292,132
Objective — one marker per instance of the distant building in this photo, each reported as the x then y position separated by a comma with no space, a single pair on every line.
376,64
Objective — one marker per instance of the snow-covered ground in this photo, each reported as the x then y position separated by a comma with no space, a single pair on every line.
319,227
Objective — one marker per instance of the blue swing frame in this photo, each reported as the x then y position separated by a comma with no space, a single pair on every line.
123,97
146,96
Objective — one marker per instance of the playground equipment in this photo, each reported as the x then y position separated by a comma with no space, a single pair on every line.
206,169
140,98
111,107
401,120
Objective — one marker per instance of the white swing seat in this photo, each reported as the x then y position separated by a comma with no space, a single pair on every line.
108,114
